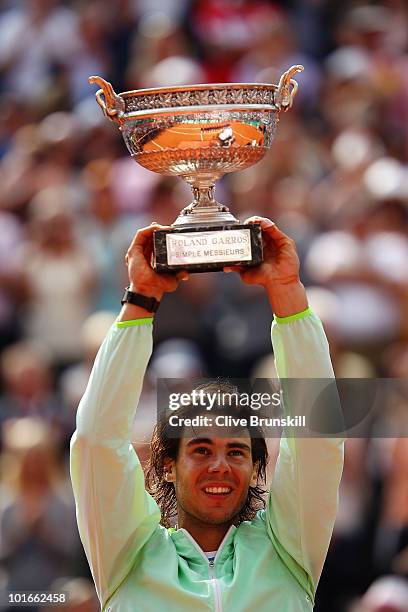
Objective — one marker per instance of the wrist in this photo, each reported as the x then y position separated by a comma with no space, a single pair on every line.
130,312
139,303
147,291
287,300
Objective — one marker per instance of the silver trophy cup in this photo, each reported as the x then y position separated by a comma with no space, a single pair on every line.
200,132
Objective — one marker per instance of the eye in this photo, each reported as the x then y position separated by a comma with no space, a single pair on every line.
202,450
236,452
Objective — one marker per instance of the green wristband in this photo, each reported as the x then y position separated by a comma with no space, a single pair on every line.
294,317
134,322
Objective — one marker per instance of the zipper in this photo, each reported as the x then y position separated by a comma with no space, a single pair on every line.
216,586
211,569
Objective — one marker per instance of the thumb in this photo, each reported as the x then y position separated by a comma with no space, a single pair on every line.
183,275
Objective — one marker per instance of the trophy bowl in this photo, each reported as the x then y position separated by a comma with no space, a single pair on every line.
201,132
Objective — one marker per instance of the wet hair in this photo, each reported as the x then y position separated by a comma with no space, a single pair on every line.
164,446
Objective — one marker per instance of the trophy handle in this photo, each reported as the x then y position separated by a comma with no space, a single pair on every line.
287,88
113,106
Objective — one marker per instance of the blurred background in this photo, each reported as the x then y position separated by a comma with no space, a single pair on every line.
71,199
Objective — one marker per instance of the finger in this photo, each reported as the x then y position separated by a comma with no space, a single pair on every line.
143,242
228,269
159,226
143,235
262,221
142,238
269,227
271,230
274,232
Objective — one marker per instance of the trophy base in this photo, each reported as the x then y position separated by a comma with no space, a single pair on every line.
207,248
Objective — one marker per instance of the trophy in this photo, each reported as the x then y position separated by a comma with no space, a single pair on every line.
200,132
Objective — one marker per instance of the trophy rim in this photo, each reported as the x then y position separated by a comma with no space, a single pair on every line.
196,87
210,108
116,106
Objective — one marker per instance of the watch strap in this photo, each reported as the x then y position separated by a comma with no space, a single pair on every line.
137,299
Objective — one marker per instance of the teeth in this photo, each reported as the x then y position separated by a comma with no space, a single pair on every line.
217,490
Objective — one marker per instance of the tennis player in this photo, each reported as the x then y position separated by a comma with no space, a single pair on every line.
225,553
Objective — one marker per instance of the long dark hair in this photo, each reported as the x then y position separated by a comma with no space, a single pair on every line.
164,447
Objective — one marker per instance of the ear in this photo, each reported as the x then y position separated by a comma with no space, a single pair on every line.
254,477
170,470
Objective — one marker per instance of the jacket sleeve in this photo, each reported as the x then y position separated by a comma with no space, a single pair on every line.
302,504
115,515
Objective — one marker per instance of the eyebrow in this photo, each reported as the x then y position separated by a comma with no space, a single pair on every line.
241,445
199,441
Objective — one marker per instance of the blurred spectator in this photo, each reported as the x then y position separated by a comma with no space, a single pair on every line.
160,42
226,30
91,54
38,536
132,186
40,156
28,385
388,594
59,278
36,38
122,24
272,51
174,70
391,546
80,595
364,265
106,232
13,115
11,235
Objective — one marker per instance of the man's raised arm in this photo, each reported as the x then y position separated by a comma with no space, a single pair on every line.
302,503
115,514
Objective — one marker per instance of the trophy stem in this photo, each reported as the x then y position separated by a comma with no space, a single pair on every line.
203,196
204,209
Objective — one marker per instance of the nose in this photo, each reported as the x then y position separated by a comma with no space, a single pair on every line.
219,464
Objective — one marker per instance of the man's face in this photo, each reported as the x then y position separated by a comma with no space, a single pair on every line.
212,476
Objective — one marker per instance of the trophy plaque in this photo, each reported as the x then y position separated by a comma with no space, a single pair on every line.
200,132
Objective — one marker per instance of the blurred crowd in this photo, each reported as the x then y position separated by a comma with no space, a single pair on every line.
71,199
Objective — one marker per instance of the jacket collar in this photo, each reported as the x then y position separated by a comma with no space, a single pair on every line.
188,548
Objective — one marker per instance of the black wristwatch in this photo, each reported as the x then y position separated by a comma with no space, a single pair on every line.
148,303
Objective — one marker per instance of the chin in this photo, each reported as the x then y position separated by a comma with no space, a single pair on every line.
218,518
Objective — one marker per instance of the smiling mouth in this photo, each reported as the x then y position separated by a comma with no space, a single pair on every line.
217,491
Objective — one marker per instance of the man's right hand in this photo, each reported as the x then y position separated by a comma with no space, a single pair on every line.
142,278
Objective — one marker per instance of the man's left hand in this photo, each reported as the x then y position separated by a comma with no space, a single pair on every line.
279,271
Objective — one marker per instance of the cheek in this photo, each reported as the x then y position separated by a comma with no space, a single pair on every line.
245,476
188,474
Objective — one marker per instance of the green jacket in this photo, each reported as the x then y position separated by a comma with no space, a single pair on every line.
270,563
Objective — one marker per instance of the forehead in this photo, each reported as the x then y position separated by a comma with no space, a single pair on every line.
211,436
